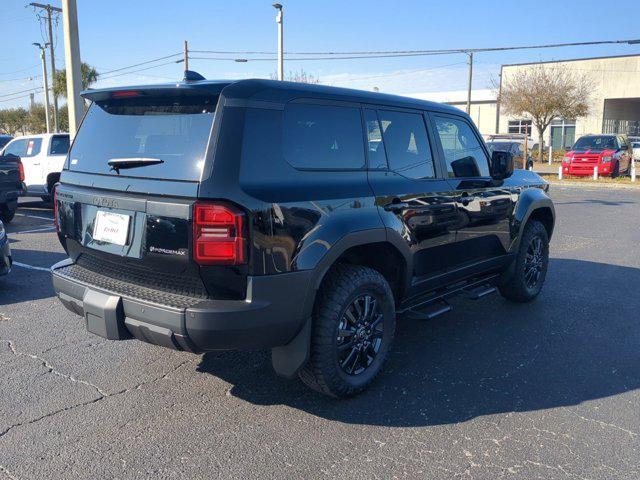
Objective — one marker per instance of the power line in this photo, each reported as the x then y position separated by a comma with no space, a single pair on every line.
102,77
21,70
142,63
433,51
15,93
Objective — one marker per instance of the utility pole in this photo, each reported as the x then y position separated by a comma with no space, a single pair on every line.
470,80
186,55
45,82
72,60
49,9
278,7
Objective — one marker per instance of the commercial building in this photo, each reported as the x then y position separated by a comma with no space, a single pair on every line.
615,101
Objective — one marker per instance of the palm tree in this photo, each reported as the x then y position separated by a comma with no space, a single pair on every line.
89,77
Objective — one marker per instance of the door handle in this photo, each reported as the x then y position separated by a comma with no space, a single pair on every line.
396,206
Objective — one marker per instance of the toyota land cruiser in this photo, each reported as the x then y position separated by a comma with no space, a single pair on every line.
216,215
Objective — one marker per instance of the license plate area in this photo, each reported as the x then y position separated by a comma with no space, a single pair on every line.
110,230
111,227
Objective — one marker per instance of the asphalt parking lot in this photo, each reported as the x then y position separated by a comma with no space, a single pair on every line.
491,390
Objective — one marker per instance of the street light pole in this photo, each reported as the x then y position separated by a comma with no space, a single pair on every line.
470,80
72,60
278,7
45,82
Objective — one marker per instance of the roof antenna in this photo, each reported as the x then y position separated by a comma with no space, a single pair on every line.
191,76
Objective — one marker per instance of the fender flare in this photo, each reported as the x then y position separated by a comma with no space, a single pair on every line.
531,199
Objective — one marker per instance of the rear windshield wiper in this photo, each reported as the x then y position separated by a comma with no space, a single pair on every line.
117,164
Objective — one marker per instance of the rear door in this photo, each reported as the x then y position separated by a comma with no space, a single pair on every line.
484,209
133,221
412,196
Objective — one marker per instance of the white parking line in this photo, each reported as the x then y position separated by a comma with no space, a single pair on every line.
45,229
31,267
33,216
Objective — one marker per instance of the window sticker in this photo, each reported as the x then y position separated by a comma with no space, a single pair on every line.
30,147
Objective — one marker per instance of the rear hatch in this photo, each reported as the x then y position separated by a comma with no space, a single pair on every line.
127,194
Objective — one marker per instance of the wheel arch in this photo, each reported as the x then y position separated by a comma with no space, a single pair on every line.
533,203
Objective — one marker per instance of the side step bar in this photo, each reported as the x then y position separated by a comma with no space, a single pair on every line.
435,303
430,312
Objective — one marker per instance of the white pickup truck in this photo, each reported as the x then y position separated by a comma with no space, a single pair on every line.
43,158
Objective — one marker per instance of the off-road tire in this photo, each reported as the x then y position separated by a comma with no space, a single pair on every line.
343,284
514,287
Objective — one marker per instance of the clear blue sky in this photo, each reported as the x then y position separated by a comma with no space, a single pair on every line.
118,33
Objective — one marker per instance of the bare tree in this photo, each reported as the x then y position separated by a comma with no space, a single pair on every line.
300,77
544,93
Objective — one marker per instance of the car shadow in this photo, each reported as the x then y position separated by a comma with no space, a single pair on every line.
575,343
35,204
25,284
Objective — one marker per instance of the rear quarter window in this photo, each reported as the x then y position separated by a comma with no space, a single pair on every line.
323,137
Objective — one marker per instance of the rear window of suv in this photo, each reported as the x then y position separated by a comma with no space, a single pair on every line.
170,128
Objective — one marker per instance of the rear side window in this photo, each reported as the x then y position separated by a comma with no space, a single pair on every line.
407,144
59,145
24,147
323,137
173,129
375,146
462,150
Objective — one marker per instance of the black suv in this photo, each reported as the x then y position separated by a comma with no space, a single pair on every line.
217,215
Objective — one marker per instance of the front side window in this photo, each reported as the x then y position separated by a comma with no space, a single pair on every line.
24,147
407,144
324,137
462,150
59,145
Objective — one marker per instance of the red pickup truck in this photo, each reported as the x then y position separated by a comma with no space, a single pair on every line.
612,155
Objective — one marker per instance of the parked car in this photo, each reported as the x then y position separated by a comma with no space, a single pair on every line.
11,186
5,251
4,139
43,157
611,154
515,148
221,215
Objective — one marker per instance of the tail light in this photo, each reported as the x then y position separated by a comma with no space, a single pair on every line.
56,225
20,170
218,235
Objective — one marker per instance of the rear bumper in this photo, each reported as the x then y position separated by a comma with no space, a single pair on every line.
270,316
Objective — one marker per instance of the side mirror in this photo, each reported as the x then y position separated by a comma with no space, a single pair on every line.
501,165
